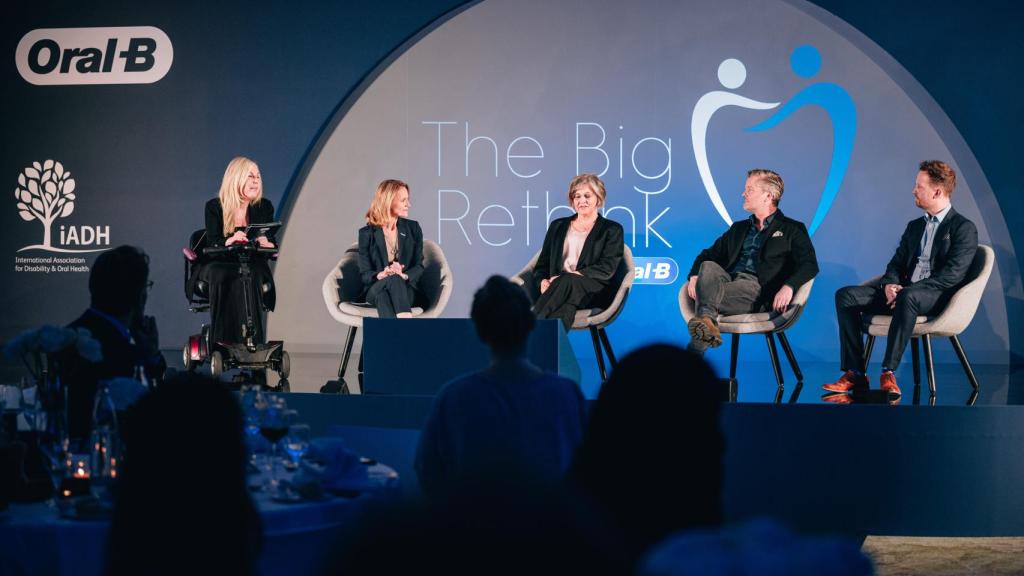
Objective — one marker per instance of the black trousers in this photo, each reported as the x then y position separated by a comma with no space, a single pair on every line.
853,302
227,299
391,296
567,294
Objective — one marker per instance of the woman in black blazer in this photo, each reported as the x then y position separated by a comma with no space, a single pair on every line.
580,255
391,252
239,204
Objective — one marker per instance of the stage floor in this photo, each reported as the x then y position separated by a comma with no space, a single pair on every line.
999,384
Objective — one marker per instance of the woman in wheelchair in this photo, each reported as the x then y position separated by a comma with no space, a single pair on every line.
239,204
390,252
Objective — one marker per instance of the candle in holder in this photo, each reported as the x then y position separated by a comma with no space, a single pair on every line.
80,467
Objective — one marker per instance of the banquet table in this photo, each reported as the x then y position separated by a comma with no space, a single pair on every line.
35,540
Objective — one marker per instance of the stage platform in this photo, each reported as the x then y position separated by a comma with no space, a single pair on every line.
916,468
755,381
910,469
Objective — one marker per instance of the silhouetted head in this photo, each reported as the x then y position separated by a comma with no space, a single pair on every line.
502,316
119,281
652,453
182,491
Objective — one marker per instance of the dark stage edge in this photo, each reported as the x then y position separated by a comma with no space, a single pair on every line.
906,470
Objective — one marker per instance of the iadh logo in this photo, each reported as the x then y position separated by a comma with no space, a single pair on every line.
46,192
122,55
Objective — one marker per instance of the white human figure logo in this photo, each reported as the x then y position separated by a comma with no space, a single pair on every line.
732,74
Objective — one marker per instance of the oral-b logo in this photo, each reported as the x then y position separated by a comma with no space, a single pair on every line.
123,55
656,270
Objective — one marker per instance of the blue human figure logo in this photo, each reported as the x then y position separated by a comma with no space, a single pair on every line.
806,62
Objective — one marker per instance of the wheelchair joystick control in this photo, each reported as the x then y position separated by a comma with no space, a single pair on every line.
249,355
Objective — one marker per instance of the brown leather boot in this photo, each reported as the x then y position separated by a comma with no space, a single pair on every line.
705,328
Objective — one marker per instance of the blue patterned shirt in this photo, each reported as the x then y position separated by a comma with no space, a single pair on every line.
752,246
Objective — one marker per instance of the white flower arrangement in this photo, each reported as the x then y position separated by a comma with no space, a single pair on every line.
124,392
31,345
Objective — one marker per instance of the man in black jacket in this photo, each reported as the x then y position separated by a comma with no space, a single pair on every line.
930,263
758,263
118,285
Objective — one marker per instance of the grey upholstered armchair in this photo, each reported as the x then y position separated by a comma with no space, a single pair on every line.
954,319
593,319
767,323
342,288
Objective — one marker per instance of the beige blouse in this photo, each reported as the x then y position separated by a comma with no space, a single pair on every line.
574,241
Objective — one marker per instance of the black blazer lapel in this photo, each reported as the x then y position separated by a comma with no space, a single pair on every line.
768,231
404,242
735,244
940,244
381,246
587,253
557,248
914,245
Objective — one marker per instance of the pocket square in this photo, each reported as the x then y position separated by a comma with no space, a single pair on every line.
777,234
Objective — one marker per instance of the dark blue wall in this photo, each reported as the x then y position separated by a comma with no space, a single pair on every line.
966,56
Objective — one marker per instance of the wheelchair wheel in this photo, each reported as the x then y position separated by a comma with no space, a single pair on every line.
186,356
284,367
216,364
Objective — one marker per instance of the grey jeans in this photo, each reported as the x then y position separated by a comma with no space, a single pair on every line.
718,292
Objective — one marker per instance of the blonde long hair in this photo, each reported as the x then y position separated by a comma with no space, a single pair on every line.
231,186
379,213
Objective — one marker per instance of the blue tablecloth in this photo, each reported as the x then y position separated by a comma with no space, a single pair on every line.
34,540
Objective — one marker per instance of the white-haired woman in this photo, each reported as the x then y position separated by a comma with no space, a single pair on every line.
239,204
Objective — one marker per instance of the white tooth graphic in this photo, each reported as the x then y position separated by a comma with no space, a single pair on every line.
732,74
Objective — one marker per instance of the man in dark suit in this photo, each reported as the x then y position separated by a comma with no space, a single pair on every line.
758,263
930,263
118,286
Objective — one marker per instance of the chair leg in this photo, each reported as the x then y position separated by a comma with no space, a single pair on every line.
346,352
867,352
916,361
597,352
789,356
963,360
796,392
607,346
734,355
929,365
775,358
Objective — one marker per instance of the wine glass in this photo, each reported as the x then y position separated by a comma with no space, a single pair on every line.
274,427
297,443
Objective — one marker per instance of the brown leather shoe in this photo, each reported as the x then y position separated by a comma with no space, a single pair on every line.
847,382
888,383
837,398
704,328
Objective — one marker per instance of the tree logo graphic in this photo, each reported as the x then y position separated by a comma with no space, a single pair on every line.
46,192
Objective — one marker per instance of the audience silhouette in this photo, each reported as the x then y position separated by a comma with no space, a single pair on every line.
182,505
508,428
118,288
651,459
